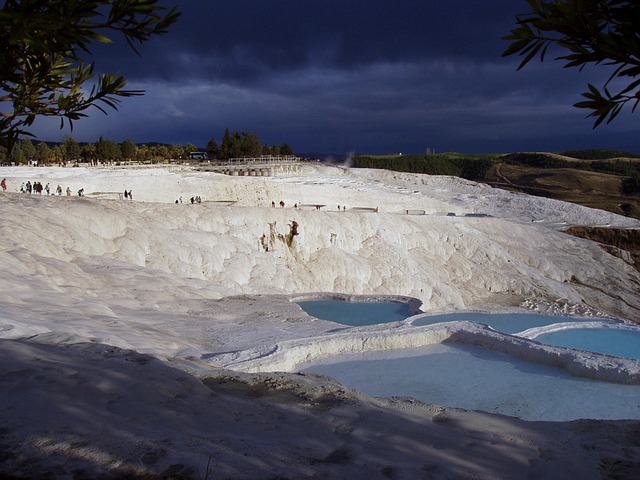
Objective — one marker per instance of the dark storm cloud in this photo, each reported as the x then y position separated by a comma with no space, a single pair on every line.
245,40
340,76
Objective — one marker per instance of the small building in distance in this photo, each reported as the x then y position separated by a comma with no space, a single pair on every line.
198,156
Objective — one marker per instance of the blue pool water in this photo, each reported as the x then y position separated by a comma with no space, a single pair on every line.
475,378
617,342
470,377
356,314
502,322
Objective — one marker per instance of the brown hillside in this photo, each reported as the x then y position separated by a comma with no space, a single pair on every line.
591,189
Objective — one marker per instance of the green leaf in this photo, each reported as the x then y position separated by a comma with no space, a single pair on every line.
42,70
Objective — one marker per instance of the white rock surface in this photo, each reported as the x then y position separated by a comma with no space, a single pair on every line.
208,285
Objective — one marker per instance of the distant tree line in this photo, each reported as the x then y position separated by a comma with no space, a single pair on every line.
245,144
104,150
469,167
598,154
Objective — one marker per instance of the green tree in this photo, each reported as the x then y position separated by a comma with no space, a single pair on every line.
57,153
16,156
590,32
43,153
236,145
212,148
267,150
128,149
89,153
226,145
286,149
190,147
160,152
42,72
177,151
250,145
143,153
70,149
28,149
107,150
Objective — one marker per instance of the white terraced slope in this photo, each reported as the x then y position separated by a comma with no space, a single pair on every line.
208,285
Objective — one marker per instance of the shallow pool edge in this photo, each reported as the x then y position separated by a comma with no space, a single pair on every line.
413,304
290,355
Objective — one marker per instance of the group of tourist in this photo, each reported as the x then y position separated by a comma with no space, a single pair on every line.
37,188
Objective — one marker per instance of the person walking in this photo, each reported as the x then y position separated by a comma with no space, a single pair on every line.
3,184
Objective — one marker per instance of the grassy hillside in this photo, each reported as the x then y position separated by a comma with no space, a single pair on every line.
591,189
605,179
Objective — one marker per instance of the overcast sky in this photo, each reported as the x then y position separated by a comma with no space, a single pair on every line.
344,76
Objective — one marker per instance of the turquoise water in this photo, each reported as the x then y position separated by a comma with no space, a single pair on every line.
502,322
471,377
356,314
617,342
465,376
